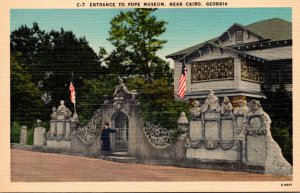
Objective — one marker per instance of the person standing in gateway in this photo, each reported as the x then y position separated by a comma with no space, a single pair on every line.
105,138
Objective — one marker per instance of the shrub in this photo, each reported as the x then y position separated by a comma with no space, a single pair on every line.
15,132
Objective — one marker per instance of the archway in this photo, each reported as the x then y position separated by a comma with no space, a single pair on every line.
121,123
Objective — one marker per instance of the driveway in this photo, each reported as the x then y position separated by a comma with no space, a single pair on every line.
28,166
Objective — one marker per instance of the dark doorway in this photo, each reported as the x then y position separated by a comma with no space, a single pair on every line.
121,136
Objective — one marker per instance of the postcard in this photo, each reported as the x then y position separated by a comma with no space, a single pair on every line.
149,96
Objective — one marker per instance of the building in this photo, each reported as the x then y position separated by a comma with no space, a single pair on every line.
239,61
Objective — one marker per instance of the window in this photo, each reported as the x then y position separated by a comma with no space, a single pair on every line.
239,36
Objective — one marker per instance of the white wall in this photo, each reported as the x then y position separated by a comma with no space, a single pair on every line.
246,39
235,83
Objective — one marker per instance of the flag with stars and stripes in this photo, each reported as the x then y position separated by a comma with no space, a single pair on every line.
72,90
182,82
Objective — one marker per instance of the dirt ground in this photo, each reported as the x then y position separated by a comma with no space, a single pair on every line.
27,166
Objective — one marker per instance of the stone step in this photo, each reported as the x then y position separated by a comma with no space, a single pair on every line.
120,154
120,159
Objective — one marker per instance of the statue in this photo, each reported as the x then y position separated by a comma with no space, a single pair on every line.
256,109
195,110
69,114
38,121
211,103
54,113
63,110
226,107
121,90
242,109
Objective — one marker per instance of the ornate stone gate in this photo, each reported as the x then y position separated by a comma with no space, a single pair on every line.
215,135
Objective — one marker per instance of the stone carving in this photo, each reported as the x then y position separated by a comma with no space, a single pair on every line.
209,122
183,122
54,113
183,125
211,144
62,109
182,141
275,163
60,123
250,71
88,133
118,104
256,120
195,110
252,141
212,70
242,109
157,136
62,112
227,145
211,103
226,107
122,92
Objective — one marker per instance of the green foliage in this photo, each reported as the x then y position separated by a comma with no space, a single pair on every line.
26,102
50,57
279,105
15,132
284,139
135,37
93,95
30,133
158,103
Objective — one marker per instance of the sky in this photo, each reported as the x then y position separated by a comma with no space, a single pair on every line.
185,27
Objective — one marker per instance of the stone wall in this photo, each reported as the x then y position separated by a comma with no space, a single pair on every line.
216,137
217,132
159,148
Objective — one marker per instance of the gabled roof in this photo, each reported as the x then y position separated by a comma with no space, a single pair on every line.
270,29
245,28
273,29
190,49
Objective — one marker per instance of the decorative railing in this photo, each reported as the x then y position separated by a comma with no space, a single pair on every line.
157,136
88,133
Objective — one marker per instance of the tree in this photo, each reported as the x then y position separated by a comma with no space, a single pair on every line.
69,54
93,95
279,105
51,57
157,102
135,36
26,102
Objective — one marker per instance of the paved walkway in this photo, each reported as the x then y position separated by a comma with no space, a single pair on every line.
37,167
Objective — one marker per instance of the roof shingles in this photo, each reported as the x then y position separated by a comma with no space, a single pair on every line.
271,29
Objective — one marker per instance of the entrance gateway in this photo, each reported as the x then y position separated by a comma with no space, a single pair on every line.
217,136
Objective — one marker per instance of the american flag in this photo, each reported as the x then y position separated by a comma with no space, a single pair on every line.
182,82
72,90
